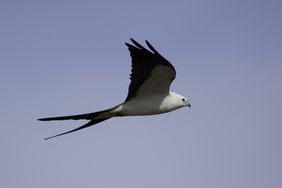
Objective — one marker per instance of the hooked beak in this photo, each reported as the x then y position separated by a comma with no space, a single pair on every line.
189,105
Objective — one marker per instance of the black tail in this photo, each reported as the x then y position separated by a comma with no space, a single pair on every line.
88,116
93,117
90,123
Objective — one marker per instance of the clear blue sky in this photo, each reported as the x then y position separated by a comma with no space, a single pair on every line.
68,57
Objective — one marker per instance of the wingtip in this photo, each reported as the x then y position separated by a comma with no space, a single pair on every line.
151,47
129,45
135,42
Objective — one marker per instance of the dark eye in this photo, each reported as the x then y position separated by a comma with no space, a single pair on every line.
183,99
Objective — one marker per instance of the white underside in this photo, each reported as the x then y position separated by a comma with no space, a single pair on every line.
146,105
150,105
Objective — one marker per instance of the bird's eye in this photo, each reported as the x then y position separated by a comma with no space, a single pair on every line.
183,99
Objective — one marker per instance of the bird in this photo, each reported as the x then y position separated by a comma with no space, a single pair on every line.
148,92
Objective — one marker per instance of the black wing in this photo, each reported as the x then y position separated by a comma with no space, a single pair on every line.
150,74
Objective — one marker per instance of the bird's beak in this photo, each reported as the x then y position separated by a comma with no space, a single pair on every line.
189,105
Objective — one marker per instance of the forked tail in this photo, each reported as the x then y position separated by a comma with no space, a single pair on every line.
90,123
95,117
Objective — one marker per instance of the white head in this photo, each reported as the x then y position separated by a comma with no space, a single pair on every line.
180,100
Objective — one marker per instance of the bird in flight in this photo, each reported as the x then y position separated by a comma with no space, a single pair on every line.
148,92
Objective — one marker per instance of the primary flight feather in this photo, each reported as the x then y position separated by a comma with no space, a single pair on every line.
148,92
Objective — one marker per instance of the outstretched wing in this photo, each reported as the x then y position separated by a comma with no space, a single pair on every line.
150,74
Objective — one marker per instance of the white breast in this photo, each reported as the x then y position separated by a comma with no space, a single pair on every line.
154,104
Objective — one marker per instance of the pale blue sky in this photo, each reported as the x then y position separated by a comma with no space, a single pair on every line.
68,57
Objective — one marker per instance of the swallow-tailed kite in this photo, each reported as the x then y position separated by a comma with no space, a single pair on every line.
148,92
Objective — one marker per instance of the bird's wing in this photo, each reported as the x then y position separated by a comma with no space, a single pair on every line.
150,74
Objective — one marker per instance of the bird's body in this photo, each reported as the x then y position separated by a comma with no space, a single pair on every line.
148,92
156,104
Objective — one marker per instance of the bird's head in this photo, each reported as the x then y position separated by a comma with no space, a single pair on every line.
185,102
180,100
